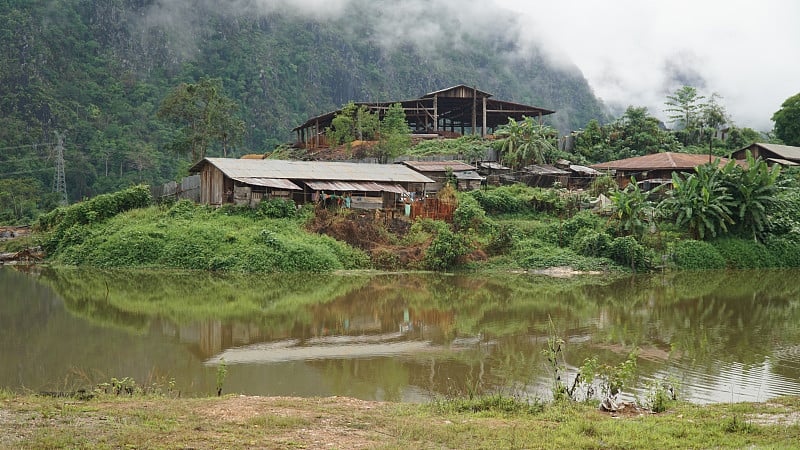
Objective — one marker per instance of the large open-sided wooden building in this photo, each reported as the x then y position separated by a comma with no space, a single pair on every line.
456,110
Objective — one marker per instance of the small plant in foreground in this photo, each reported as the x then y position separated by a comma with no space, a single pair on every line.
222,372
490,403
737,425
660,396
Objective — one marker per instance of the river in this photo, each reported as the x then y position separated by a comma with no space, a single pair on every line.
716,336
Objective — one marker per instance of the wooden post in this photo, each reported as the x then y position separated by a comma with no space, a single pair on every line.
316,133
483,128
474,109
436,112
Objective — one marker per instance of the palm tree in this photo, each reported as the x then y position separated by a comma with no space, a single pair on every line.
526,142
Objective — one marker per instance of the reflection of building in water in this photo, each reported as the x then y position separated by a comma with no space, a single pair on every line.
343,317
213,336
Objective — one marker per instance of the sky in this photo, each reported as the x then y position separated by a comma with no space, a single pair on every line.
635,52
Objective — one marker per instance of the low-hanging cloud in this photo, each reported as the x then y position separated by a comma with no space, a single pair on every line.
636,53
631,52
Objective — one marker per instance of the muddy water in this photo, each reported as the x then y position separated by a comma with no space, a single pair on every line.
718,336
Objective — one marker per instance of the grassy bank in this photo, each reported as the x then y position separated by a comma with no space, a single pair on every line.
505,228
338,422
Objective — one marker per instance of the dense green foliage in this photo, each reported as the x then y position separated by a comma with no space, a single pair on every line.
787,121
527,142
99,71
194,237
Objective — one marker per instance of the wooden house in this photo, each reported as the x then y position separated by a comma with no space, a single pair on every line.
450,112
785,155
656,168
543,175
467,177
493,171
362,186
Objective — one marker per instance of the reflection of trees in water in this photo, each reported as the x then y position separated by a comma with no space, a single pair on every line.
706,316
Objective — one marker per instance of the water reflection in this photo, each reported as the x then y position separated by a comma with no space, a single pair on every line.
402,337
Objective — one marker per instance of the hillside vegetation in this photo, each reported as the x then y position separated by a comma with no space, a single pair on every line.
98,72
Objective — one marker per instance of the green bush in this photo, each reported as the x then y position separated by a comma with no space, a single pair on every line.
469,214
95,210
697,255
182,209
446,250
785,250
602,185
277,208
585,220
628,252
744,253
533,254
502,239
590,242
500,201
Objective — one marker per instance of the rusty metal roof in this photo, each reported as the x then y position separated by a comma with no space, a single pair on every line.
313,170
355,186
439,166
656,161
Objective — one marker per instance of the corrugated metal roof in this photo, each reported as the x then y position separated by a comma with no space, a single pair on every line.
269,182
458,88
583,170
438,166
493,165
467,175
354,187
784,151
666,160
313,170
783,162
544,169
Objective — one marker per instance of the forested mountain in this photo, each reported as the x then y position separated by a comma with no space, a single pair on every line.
97,71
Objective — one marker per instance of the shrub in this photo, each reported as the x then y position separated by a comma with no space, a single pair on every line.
469,214
627,251
602,185
95,210
502,239
589,242
785,250
535,254
697,255
182,209
446,250
277,208
744,253
585,220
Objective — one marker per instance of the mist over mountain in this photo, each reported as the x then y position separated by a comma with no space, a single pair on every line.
99,70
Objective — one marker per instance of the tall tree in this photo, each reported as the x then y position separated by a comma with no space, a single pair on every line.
394,135
206,116
787,121
527,142
712,118
684,108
